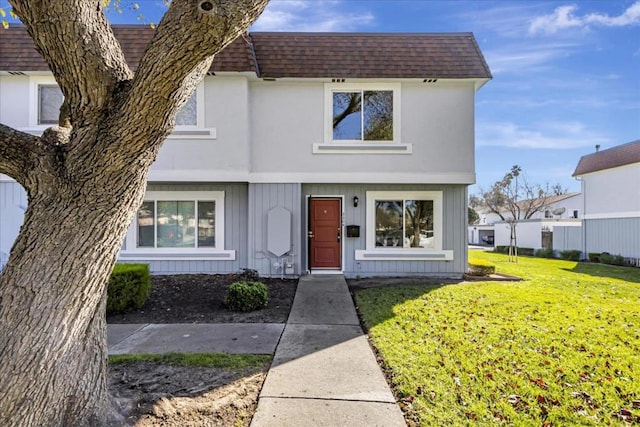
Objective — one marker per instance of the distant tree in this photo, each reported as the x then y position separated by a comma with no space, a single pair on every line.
473,216
514,199
558,190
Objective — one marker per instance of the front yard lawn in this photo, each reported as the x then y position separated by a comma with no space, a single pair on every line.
560,348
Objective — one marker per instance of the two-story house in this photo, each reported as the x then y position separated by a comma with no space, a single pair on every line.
299,152
611,186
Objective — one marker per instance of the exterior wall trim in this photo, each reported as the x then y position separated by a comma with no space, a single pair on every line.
612,215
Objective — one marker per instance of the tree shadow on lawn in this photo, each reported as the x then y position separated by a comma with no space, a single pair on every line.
408,288
628,274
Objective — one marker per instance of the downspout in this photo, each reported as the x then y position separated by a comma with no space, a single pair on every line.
247,38
583,221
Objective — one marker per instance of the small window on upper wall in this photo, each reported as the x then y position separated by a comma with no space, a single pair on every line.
49,102
188,115
362,113
365,115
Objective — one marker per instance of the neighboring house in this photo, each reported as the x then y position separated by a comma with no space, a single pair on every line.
563,209
299,152
611,214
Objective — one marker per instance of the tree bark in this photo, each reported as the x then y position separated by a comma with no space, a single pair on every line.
85,182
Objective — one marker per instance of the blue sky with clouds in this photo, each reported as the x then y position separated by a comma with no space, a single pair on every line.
566,73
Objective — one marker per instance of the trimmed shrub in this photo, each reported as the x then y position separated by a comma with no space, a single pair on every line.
247,296
571,255
521,251
545,253
594,256
128,287
606,258
618,260
480,267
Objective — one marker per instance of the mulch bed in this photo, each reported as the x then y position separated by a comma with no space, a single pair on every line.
199,298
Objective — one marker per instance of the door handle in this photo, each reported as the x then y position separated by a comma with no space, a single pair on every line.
338,235
310,234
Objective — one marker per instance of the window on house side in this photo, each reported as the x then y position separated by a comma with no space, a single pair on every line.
49,101
365,115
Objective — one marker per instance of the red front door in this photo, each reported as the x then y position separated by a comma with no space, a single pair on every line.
325,233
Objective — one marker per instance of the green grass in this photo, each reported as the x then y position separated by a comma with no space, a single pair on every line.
211,360
560,348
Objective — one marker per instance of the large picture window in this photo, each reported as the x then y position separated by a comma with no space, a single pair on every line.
178,222
404,225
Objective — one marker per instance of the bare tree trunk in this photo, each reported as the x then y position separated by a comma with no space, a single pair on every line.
54,347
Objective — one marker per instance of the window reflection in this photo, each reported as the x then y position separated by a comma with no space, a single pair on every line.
404,223
363,115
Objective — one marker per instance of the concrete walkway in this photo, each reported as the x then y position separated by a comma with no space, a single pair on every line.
324,373
236,338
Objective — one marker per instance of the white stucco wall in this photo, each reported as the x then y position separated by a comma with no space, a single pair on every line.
529,233
287,118
224,155
612,193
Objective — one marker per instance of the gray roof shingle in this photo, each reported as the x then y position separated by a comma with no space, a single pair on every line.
614,157
301,55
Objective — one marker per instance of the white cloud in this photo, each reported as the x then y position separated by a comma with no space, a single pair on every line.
526,59
550,135
564,17
318,16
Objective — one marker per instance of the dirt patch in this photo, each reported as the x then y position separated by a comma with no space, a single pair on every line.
160,395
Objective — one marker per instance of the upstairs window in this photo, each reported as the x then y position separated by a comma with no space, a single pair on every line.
49,102
188,115
365,115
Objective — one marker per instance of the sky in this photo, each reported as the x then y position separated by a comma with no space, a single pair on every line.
566,74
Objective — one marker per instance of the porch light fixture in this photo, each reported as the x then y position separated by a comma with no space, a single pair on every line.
355,201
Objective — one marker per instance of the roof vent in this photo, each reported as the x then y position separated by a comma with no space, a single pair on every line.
429,80
597,147
337,80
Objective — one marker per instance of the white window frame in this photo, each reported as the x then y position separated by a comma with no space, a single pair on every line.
197,131
373,253
131,251
34,101
331,146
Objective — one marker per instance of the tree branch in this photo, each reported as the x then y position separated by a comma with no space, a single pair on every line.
16,151
84,56
175,61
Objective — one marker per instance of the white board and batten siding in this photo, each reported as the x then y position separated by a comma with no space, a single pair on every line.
567,238
13,202
618,236
262,199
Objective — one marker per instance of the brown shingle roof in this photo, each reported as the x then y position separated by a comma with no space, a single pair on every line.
17,52
301,55
370,55
621,155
